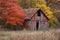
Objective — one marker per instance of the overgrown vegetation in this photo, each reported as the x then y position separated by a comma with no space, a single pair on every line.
12,13
42,4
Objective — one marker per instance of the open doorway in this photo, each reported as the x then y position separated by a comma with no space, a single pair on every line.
37,25
38,19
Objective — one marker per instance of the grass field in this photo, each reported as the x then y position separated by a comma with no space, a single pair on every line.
53,34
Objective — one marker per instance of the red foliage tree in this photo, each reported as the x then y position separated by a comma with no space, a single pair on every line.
12,12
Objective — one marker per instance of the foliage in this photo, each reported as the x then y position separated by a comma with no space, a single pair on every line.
42,5
11,12
28,3
55,7
57,2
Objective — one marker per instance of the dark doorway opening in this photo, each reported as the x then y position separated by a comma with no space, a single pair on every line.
37,25
38,13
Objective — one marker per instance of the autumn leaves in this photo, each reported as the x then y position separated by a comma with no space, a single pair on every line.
11,12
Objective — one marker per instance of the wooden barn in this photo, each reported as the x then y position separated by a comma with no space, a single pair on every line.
36,19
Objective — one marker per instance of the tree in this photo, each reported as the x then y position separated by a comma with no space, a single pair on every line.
11,12
57,2
28,3
47,10
55,7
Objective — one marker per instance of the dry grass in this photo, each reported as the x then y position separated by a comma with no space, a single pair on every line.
30,35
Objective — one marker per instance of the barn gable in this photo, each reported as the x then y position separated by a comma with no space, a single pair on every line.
36,19
31,11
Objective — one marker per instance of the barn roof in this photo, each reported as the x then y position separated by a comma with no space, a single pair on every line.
31,11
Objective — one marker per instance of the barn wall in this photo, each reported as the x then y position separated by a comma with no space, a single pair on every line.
33,22
44,21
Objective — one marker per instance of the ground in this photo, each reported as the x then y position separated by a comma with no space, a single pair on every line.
52,34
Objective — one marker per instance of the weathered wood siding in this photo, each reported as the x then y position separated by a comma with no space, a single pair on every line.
43,22
33,22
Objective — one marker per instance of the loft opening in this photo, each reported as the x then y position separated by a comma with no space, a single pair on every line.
39,12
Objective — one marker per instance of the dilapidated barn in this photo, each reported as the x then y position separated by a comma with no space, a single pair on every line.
36,19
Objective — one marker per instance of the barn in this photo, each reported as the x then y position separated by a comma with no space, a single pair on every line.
36,19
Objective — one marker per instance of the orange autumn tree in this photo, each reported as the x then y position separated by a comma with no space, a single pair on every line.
11,12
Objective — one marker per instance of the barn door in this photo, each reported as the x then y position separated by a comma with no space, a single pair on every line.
38,19
37,25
